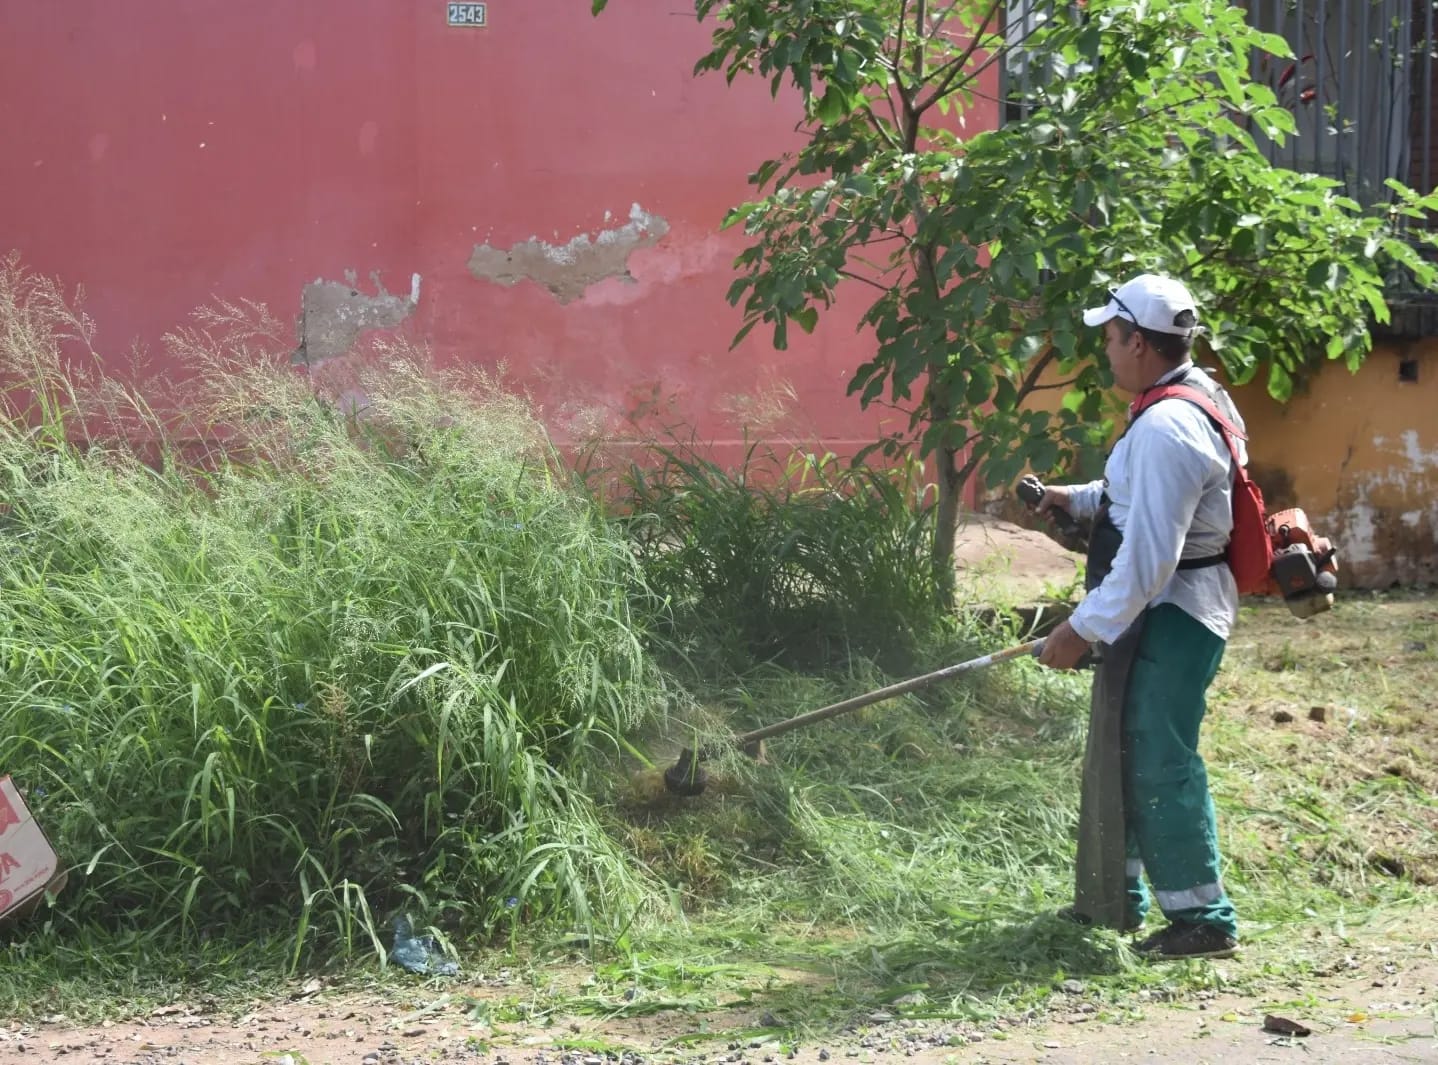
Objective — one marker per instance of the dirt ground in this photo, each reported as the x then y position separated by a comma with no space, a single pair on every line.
1377,1011
1020,564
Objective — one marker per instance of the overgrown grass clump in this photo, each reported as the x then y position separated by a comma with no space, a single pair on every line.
800,558
357,670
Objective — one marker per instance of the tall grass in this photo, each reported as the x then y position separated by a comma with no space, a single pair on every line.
800,558
356,669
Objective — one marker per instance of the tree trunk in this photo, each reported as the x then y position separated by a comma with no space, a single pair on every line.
950,484
946,524
952,472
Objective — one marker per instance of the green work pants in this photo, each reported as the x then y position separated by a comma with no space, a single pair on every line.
1145,804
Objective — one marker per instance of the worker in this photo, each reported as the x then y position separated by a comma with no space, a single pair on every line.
1158,611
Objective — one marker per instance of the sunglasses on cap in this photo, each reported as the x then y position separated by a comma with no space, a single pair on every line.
1113,295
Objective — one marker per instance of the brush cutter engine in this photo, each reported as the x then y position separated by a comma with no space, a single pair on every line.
1305,565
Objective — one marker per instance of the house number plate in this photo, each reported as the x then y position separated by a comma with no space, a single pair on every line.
467,14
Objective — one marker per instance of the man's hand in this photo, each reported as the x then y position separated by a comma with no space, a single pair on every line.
1063,648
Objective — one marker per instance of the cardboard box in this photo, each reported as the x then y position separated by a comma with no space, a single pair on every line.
28,863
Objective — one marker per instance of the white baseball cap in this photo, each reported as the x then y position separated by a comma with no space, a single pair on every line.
1150,301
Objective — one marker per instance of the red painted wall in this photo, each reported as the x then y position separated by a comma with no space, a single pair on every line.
164,152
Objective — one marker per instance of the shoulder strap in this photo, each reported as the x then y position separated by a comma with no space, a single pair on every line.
1200,399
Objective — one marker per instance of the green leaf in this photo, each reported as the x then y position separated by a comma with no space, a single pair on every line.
1278,119
859,185
1232,87
807,318
1025,348
1280,384
833,106
1376,303
980,385
738,214
743,332
1272,42
1042,454
1323,274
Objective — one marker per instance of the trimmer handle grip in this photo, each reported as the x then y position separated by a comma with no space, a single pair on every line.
1089,660
1031,491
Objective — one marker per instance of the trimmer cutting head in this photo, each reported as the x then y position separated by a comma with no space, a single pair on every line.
686,777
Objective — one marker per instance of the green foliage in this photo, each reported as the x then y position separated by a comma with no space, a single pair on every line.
358,671
983,245
802,558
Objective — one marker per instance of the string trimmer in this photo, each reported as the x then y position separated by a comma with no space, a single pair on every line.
688,777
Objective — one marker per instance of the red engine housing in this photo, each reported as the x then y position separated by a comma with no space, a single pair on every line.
1305,565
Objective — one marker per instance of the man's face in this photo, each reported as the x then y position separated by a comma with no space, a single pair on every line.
1125,356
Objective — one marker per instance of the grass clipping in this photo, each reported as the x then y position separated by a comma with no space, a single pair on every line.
311,660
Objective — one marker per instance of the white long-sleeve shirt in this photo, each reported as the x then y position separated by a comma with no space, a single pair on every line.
1170,485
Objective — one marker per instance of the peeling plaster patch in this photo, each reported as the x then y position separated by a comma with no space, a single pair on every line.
1380,544
1357,543
1418,459
333,315
669,263
567,270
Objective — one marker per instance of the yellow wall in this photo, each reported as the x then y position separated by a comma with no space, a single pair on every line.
1359,453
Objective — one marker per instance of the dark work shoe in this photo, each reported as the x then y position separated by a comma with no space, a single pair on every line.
1132,923
1186,940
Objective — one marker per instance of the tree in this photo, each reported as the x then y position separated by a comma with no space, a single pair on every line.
1133,151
